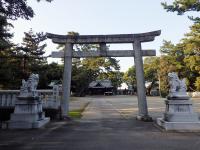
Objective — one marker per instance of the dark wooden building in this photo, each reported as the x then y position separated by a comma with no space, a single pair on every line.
100,87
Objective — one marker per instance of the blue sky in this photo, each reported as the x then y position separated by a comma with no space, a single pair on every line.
105,17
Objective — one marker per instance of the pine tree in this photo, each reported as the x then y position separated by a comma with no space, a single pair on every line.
32,51
182,6
12,10
185,56
4,34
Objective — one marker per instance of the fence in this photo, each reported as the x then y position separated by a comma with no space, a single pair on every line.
50,98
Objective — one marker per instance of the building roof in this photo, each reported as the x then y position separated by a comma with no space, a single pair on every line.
55,82
101,84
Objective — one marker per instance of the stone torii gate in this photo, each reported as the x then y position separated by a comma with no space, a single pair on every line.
102,40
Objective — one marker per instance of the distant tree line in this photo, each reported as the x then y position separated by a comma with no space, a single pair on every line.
17,61
183,58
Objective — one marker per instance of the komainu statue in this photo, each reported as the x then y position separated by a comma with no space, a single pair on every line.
178,87
29,87
179,114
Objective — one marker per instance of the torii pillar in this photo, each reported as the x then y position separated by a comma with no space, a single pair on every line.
141,90
66,79
102,40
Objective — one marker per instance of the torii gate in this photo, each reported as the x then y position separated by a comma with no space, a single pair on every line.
102,40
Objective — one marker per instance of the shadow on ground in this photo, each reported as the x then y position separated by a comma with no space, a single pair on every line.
108,123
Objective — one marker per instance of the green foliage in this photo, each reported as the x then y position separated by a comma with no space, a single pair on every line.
192,48
12,10
48,73
151,72
129,76
31,52
197,83
9,72
87,70
16,9
31,43
116,77
165,66
182,58
54,71
182,6
17,62
81,77
4,34
151,68
167,47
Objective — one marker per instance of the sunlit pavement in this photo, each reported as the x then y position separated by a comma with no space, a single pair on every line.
108,123
126,106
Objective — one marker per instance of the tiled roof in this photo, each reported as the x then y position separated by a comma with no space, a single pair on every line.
101,83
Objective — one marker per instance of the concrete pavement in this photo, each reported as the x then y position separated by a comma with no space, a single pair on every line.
107,123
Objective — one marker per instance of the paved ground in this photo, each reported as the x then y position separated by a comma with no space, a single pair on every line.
108,123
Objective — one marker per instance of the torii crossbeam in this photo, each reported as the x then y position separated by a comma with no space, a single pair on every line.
102,40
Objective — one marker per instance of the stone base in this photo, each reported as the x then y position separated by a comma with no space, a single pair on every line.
27,117
181,117
144,118
27,125
28,114
179,126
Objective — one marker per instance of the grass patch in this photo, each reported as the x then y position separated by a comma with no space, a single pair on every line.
77,114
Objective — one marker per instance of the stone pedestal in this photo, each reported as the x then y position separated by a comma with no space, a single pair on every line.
28,114
179,115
